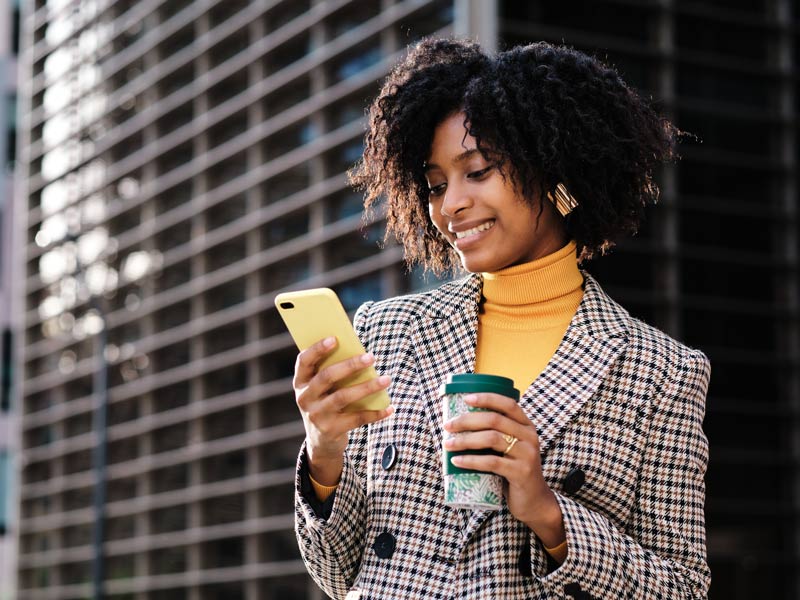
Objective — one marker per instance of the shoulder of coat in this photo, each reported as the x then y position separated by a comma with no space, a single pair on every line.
439,302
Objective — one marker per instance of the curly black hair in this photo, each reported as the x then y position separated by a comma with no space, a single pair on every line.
543,113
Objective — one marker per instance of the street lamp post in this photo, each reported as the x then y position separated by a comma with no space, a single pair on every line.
76,271
99,462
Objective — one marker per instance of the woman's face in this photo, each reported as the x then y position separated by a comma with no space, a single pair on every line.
479,212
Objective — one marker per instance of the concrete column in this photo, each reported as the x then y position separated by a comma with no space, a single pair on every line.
787,240
667,277
478,20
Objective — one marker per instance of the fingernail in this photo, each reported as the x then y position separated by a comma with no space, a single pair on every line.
383,380
389,410
448,443
367,358
470,398
457,460
329,342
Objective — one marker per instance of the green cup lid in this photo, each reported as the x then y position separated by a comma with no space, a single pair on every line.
466,383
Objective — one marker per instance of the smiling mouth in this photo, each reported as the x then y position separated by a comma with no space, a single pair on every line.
474,230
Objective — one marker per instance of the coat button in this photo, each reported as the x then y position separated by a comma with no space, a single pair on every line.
389,457
384,545
574,590
524,563
573,481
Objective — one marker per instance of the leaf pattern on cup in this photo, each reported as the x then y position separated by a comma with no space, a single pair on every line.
469,490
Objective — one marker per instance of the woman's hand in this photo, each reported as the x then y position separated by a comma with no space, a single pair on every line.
323,407
529,497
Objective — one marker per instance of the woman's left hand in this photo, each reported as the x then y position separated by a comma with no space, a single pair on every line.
529,497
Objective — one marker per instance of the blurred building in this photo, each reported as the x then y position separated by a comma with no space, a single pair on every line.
9,425
210,140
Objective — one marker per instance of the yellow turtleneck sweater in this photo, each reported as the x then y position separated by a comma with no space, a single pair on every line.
526,311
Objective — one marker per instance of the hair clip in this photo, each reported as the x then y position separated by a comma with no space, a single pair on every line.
564,202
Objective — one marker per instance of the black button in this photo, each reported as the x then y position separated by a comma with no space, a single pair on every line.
574,590
524,564
573,481
389,457
384,545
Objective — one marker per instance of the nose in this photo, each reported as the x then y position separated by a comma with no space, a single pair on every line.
456,199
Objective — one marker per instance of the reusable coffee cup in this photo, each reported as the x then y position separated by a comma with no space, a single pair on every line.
465,488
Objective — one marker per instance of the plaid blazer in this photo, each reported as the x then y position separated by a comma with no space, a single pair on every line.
619,412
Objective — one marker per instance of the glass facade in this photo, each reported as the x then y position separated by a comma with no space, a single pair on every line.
716,263
215,137
184,162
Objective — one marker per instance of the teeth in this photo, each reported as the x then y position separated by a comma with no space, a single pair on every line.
474,230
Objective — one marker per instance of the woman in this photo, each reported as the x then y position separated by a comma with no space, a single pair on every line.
515,167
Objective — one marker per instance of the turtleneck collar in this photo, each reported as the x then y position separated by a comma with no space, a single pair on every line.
537,293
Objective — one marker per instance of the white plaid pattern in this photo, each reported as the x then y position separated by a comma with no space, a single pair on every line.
619,400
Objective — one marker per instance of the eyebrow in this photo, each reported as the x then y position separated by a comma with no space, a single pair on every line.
467,154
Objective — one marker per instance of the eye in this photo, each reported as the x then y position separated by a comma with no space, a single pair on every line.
437,190
479,174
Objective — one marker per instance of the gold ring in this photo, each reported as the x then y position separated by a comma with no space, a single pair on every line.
508,438
511,443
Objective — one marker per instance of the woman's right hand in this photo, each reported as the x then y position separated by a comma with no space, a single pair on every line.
323,407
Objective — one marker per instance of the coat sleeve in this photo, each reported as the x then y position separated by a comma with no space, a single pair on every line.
662,552
332,548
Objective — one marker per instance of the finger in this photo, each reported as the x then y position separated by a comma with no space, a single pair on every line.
478,440
365,417
498,403
327,378
488,420
490,463
333,425
343,397
306,365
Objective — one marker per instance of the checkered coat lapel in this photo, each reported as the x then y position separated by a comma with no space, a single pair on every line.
444,342
591,344
446,339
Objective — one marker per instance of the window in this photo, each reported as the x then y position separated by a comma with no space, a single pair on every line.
5,368
278,545
285,272
5,490
358,291
171,518
353,247
722,38
170,438
584,15
168,560
15,27
344,204
723,86
224,509
356,61
226,466
226,423
11,131
286,228
287,96
288,53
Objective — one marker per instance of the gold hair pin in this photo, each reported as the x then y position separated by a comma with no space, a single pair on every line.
564,202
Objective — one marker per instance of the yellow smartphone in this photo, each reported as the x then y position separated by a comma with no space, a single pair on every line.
312,315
